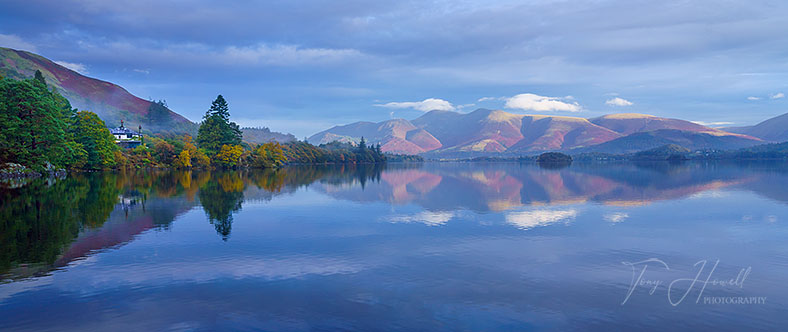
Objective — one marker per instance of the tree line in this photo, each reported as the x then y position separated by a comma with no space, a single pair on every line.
39,130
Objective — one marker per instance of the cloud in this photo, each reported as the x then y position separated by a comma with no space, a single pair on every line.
13,41
142,71
532,102
531,219
77,67
713,124
753,98
777,95
425,105
483,99
287,54
618,102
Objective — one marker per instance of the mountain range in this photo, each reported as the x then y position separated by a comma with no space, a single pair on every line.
436,133
485,132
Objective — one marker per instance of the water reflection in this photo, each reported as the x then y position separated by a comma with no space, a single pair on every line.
48,224
497,246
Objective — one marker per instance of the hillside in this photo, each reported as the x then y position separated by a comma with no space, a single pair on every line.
394,136
773,130
111,102
265,135
657,138
486,132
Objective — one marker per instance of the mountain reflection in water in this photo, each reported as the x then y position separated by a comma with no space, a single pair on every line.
102,210
411,246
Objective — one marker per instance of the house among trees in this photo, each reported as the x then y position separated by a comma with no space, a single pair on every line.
126,137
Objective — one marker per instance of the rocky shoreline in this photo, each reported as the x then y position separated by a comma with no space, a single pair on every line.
14,175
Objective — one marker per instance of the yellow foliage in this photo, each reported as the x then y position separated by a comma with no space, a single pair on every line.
229,155
200,159
183,160
120,160
269,155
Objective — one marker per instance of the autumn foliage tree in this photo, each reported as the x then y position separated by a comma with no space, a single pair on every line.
269,155
99,144
229,155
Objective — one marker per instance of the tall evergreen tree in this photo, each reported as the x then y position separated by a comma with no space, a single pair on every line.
362,145
40,77
220,108
216,128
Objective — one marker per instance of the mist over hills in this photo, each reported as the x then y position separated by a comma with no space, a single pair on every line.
111,102
484,132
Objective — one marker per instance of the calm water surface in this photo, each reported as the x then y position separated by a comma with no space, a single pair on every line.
501,246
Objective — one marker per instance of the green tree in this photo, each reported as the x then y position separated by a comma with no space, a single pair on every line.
216,129
362,145
40,77
33,125
91,132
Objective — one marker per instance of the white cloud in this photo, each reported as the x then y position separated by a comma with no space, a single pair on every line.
425,105
77,67
618,102
13,41
616,217
142,71
713,124
777,95
483,99
287,54
531,219
753,98
532,102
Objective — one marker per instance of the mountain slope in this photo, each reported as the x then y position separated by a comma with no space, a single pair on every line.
111,102
774,129
630,123
265,135
446,133
395,136
657,138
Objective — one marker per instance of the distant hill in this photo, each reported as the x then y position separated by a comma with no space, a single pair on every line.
265,135
773,130
394,136
490,132
687,139
665,152
111,102
630,123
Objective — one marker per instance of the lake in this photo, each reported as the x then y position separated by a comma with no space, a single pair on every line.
434,246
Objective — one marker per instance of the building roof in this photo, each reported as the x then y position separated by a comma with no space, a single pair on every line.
122,130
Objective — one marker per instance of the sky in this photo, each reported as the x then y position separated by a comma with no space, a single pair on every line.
304,66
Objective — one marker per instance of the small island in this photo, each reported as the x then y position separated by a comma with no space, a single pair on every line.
554,157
